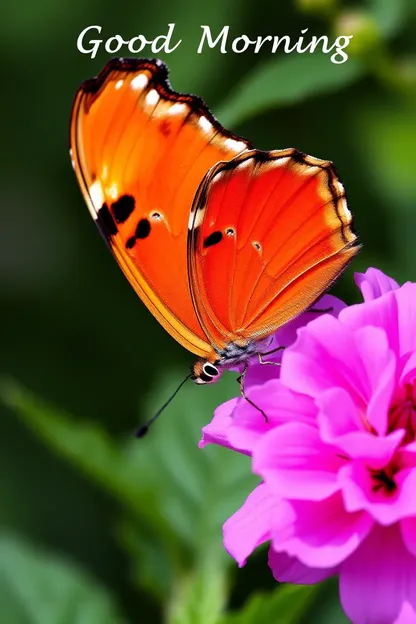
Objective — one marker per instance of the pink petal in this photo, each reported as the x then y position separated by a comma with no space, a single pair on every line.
250,525
216,432
369,349
258,373
321,534
296,464
358,486
374,283
405,456
338,415
380,366
376,451
326,355
408,529
381,312
279,404
377,582
408,373
406,302
288,333
337,420
395,312
290,570
326,302
248,423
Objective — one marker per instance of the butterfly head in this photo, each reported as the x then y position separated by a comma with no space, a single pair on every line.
204,372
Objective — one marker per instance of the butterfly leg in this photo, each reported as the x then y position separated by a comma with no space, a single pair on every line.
261,355
318,311
240,380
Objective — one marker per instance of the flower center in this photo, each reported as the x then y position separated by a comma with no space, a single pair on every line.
383,479
402,413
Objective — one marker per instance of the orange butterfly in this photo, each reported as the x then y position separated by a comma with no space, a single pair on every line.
223,243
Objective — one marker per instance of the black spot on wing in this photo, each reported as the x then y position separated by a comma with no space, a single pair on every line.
142,231
143,228
106,222
213,239
130,243
122,208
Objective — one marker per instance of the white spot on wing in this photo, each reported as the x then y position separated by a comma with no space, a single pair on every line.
97,197
204,124
245,164
198,219
119,84
112,191
346,210
139,81
177,109
279,162
152,98
232,144
72,159
217,177
311,171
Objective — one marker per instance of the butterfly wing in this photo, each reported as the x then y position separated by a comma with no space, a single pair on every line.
139,151
271,232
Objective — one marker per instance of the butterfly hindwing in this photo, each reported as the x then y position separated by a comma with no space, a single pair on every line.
140,150
271,232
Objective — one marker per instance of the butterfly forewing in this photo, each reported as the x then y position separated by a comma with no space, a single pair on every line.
140,151
271,232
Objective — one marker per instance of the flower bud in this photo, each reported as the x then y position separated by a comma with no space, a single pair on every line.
366,34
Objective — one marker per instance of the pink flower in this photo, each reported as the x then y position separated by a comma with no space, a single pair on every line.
337,456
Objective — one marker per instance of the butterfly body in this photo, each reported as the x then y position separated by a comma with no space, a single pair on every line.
223,243
208,370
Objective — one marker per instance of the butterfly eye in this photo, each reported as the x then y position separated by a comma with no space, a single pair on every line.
156,216
230,232
210,370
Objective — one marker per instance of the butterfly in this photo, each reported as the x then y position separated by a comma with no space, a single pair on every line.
223,243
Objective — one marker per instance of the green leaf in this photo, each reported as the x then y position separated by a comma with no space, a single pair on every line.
200,596
103,460
387,136
85,444
288,604
152,565
197,489
181,493
40,588
390,16
327,608
287,80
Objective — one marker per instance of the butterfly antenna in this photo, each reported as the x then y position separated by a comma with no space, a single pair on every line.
141,431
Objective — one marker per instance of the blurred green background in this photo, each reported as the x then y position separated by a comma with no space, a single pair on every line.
96,526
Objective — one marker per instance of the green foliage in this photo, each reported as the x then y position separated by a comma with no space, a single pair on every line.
147,515
175,496
39,588
287,80
390,16
287,604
